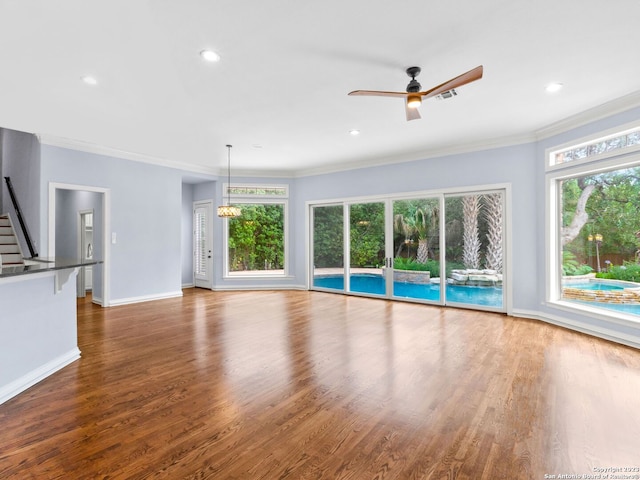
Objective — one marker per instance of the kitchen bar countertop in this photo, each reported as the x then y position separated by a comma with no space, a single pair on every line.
39,265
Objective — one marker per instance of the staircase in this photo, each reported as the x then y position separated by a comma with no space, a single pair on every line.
10,252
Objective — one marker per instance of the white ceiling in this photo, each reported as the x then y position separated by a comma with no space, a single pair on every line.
279,92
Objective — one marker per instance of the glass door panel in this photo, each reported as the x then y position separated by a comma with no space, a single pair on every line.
367,248
474,249
328,247
416,245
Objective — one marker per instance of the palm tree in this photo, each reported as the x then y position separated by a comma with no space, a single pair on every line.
471,237
493,216
426,221
405,226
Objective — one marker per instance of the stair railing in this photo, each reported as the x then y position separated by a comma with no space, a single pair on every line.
23,225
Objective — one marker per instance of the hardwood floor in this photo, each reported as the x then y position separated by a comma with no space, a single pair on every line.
309,385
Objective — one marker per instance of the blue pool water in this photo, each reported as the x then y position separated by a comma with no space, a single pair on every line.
594,286
363,283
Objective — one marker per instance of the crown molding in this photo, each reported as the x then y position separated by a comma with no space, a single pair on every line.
608,109
87,147
599,112
457,149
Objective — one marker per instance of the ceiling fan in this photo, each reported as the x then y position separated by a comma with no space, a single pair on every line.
413,96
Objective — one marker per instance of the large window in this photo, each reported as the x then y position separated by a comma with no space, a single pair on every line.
256,240
595,225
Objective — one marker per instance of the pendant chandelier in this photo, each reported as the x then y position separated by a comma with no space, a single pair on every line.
227,211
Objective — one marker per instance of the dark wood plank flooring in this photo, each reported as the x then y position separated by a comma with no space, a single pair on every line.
309,385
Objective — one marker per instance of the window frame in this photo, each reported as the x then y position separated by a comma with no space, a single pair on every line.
256,199
617,159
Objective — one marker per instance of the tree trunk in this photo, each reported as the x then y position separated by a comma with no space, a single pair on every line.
423,251
493,215
580,218
471,237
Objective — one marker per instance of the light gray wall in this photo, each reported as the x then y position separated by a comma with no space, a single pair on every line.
187,234
21,162
146,215
515,165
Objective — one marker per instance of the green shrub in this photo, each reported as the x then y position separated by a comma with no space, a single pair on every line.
629,272
571,267
432,266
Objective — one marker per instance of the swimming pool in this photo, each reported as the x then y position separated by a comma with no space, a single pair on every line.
374,284
594,286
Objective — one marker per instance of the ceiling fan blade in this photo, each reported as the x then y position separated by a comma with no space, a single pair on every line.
412,113
468,77
376,93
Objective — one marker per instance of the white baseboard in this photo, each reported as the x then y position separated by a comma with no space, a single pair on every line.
596,331
145,298
188,285
234,288
21,384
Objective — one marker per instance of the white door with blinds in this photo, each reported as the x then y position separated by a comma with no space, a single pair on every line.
203,244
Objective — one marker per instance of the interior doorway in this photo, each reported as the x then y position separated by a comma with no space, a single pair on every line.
203,244
86,245
66,204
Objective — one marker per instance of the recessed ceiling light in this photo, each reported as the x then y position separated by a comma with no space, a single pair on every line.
354,132
210,55
89,80
554,87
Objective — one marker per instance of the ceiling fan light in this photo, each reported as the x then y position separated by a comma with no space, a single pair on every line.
414,101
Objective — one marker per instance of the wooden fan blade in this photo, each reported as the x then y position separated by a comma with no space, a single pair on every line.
468,77
376,93
412,113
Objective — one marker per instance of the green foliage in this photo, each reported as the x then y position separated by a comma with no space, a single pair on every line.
367,234
571,266
629,272
401,263
256,239
613,210
328,248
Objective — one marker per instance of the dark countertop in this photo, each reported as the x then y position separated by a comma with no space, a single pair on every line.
38,265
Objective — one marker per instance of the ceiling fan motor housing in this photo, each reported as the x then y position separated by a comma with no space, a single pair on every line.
414,86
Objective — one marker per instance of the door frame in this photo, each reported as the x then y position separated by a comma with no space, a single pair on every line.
81,279
208,204
442,193
106,231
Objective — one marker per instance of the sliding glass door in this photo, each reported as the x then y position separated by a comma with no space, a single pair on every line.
474,249
355,231
328,246
444,248
416,248
367,248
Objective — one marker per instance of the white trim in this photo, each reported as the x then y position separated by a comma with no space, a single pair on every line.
441,195
599,112
618,105
286,271
589,139
106,230
593,330
145,298
246,288
34,376
208,205
87,147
